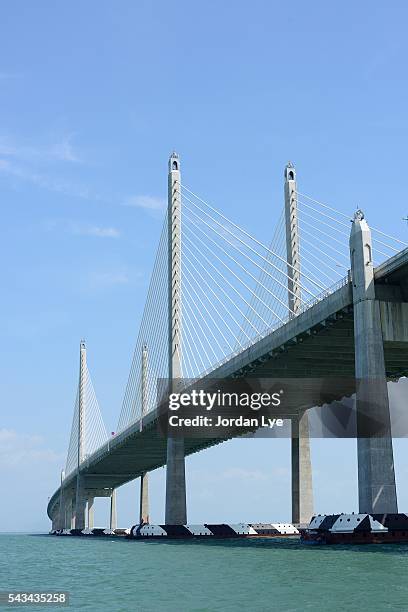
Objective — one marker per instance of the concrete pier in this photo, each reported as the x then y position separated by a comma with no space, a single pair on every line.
376,477
144,499
91,518
80,509
61,511
302,484
69,515
176,510
113,522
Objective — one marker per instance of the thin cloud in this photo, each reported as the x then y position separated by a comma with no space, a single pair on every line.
65,151
240,474
4,76
62,150
147,202
24,162
44,181
103,280
98,232
18,449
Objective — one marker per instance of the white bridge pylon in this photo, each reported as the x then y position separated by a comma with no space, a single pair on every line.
91,434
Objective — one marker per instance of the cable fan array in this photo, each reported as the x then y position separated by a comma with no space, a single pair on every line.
265,281
153,334
324,248
234,288
324,237
94,431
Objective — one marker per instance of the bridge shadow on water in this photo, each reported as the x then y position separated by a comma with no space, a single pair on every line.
293,545
290,545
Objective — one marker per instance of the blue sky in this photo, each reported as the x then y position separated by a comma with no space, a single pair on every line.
93,98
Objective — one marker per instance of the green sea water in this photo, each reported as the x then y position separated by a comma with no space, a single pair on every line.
225,575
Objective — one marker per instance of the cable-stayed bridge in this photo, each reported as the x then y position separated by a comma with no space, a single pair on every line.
327,297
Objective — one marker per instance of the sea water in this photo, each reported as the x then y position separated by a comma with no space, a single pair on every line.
208,575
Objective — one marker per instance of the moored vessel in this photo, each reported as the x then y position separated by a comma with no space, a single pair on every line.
356,529
220,531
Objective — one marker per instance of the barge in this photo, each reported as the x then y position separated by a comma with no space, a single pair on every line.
209,530
187,532
357,529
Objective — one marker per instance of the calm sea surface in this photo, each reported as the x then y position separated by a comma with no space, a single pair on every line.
244,575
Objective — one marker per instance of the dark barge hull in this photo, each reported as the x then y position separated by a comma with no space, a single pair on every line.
356,538
357,529
190,532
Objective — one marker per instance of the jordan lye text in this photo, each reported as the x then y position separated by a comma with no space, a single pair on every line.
237,422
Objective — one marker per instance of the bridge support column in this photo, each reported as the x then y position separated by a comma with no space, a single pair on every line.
91,517
113,524
61,511
376,476
144,499
176,511
69,515
80,509
302,486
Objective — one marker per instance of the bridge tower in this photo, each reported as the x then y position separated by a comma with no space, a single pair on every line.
176,511
144,479
302,486
376,476
292,239
80,498
113,522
